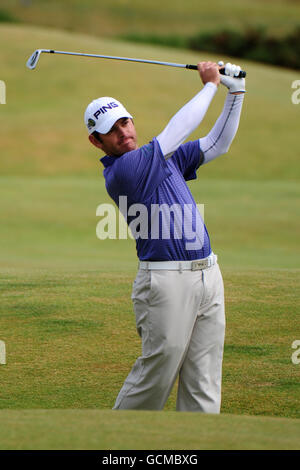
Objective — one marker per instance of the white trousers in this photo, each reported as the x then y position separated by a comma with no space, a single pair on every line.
180,317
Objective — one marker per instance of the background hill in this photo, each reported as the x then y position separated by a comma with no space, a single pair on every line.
111,18
51,101
268,32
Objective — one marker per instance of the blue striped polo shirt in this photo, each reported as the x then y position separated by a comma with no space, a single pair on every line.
160,209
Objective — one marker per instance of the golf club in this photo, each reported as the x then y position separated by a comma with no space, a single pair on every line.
33,60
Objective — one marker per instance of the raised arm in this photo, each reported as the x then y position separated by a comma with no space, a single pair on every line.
188,118
219,139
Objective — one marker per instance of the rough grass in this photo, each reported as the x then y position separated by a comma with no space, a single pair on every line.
71,340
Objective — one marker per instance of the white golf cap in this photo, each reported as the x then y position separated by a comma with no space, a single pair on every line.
102,113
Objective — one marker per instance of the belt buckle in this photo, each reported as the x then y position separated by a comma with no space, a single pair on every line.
200,264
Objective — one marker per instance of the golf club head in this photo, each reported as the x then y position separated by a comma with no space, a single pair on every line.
33,59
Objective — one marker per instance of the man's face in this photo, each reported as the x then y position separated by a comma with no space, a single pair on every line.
120,139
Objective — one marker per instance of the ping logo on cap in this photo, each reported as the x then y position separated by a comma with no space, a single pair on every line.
104,109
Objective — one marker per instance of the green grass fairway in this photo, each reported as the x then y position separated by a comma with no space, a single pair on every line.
66,314
127,430
65,311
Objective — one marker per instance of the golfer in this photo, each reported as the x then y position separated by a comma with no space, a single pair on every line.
178,293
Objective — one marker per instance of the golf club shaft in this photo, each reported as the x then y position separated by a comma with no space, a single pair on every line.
144,61
128,59
171,64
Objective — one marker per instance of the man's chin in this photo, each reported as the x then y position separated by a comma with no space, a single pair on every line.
128,146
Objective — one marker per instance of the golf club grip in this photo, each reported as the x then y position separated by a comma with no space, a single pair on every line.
242,73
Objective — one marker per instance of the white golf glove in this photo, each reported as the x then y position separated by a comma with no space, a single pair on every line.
230,79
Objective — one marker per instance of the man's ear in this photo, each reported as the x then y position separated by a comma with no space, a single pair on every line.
95,141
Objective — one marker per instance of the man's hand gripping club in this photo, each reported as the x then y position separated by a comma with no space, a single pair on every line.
209,72
235,85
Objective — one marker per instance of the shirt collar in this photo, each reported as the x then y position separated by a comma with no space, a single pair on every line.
108,160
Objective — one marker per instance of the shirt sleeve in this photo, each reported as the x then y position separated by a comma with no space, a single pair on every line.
186,120
140,172
188,157
219,139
